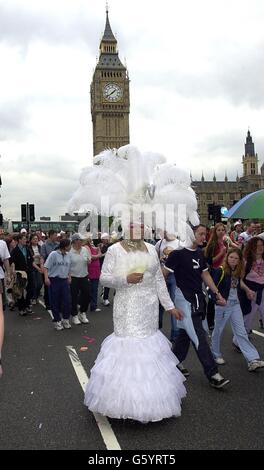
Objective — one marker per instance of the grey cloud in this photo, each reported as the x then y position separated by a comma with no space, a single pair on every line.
20,26
242,79
44,180
235,75
226,143
46,168
50,197
13,119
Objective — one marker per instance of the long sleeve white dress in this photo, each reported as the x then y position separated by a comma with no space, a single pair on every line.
135,374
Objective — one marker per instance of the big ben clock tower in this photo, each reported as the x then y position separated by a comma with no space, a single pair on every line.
109,96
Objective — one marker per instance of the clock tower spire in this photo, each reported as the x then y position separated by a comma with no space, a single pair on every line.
109,96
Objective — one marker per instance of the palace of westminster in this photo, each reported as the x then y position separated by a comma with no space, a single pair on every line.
110,106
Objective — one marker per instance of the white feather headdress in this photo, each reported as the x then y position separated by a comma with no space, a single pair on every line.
126,177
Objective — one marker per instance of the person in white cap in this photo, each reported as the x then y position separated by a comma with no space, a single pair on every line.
23,230
62,235
238,227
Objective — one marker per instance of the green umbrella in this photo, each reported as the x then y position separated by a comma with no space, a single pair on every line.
250,207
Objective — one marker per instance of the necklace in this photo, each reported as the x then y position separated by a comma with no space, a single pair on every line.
134,245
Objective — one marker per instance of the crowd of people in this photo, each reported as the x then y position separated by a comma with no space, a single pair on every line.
64,269
218,279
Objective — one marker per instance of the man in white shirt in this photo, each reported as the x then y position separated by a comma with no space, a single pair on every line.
244,237
80,257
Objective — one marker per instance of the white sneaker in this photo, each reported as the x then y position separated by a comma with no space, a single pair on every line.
75,320
217,381
66,324
58,325
220,361
97,310
253,365
83,318
106,302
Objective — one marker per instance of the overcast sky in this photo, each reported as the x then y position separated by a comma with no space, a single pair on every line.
196,71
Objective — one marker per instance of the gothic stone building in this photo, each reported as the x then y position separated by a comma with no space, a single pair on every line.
226,193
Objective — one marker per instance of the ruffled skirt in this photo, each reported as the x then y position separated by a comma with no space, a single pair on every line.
136,378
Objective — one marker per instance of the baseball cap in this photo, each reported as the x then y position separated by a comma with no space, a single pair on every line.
104,235
75,237
238,222
23,230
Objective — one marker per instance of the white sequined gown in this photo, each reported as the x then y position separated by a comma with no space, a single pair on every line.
135,374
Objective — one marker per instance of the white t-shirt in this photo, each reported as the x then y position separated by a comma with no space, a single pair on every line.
4,254
79,262
162,244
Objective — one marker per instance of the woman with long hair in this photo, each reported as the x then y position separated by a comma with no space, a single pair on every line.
215,252
217,246
254,279
228,279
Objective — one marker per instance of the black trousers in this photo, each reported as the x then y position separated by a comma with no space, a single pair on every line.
182,343
47,297
210,314
106,293
80,292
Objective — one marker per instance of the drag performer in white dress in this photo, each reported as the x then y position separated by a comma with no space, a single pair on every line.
135,374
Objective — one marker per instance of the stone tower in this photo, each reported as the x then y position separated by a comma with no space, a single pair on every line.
250,159
109,96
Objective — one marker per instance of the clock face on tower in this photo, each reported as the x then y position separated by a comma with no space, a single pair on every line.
112,92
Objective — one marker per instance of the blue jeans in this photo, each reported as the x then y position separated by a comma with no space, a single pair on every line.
205,356
171,286
60,296
232,312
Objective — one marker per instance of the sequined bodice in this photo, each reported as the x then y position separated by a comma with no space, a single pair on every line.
136,306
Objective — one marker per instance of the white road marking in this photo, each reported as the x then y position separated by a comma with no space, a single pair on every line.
43,305
258,333
101,421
